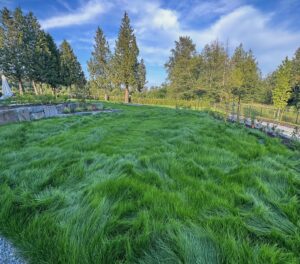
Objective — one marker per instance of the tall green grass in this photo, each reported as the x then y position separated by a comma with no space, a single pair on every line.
148,185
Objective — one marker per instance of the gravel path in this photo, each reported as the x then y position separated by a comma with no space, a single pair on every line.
8,253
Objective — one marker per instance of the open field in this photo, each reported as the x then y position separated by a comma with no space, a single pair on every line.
148,185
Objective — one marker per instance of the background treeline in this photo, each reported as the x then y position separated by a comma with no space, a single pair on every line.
29,55
110,72
216,76
31,59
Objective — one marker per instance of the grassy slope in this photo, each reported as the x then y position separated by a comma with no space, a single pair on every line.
148,185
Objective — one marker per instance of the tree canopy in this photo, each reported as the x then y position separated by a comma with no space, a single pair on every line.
282,89
99,65
125,60
28,53
183,68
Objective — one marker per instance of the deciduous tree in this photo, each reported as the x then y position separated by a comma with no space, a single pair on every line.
282,90
215,68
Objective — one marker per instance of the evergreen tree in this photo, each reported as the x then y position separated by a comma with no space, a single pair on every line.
42,57
141,76
27,52
67,61
2,36
31,35
13,49
252,78
70,69
125,58
99,64
182,68
39,70
282,89
51,66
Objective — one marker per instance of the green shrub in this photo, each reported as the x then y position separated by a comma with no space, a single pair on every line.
89,108
79,109
35,99
67,110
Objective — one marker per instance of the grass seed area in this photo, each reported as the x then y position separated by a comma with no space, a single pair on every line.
148,185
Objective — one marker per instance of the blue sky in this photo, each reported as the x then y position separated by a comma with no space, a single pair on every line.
270,28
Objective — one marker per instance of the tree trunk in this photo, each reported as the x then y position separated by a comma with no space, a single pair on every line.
281,114
278,114
42,88
35,88
126,99
54,91
69,88
238,111
21,88
106,97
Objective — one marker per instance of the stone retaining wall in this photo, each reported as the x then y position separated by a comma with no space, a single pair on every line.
269,128
33,112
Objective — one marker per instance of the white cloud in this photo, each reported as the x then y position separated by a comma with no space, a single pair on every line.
155,56
154,17
244,24
84,14
249,26
209,8
165,19
157,26
65,4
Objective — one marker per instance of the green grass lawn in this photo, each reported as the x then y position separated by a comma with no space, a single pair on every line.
148,185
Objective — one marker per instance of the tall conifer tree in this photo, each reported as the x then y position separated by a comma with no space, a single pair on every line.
182,68
125,60
99,64
51,67
32,32
13,50
70,69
